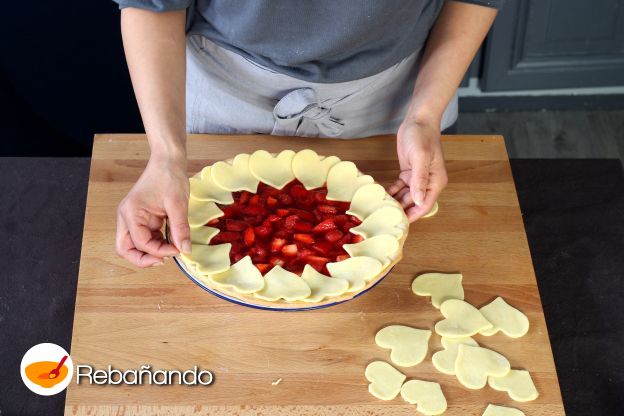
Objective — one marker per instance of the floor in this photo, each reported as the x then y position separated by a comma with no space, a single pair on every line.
552,134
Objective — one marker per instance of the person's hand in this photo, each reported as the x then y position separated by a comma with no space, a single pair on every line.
161,192
423,175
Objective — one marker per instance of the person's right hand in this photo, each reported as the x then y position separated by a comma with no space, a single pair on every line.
161,192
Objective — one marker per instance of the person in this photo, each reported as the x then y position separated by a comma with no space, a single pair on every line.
324,68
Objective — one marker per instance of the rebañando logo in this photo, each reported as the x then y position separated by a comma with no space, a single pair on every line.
46,369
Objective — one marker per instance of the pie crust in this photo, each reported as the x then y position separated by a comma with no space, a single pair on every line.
382,230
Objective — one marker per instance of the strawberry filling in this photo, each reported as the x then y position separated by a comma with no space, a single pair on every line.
289,227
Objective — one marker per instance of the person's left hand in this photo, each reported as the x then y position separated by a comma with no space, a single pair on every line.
423,174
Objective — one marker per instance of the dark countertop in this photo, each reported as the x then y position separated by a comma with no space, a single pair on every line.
573,213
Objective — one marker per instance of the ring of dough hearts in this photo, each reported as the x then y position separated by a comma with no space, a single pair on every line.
426,395
493,410
474,365
440,286
408,345
505,318
462,320
385,380
517,383
290,230
444,361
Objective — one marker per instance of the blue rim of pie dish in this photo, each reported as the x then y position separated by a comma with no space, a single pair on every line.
269,308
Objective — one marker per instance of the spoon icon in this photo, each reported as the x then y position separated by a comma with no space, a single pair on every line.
54,373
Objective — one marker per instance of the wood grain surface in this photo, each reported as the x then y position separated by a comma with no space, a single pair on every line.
127,317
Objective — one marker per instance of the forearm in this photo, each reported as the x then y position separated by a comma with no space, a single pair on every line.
154,45
452,44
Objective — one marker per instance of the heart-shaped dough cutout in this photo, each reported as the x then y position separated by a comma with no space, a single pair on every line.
311,169
358,271
343,179
493,410
279,283
201,212
205,189
203,234
434,211
208,259
506,318
386,220
275,171
367,199
235,177
440,286
381,247
474,365
444,361
517,383
462,320
426,395
242,276
322,286
385,380
409,345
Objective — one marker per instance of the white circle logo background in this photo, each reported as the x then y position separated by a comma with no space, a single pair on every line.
46,352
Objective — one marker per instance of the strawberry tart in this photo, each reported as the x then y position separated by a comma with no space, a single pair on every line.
290,230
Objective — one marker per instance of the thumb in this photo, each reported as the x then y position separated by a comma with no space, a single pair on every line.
419,179
177,212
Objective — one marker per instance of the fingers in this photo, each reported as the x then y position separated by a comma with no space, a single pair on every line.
437,181
125,247
419,177
177,212
396,187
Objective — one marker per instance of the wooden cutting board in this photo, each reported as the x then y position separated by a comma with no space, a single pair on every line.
127,317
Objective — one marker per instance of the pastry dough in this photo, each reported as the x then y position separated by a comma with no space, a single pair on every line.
367,199
356,270
462,320
474,365
506,318
343,181
311,169
444,360
282,284
409,345
381,247
203,234
275,171
386,220
201,212
209,259
493,410
235,176
426,395
385,380
517,383
440,286
205,189
322,286
434,210
242,277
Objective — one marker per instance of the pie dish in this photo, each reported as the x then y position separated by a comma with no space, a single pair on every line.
292,230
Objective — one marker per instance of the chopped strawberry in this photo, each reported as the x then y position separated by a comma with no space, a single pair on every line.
356,239
305,252
344,240
282,212
324,225
277,244
317,262
323,247
271,202
263,267
225,237
244,197
258,254
327,209
276,261
213,222
249,236
303,226
340,219
333,235
253,209
298,192
290,221
285,199
263,231
236,257
304,238
342,257
320,197
355,220
290,250
273,218
235,225
304,215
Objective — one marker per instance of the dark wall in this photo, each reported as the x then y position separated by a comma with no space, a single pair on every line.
63,77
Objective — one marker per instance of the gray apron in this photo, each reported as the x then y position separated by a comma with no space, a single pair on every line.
228,94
